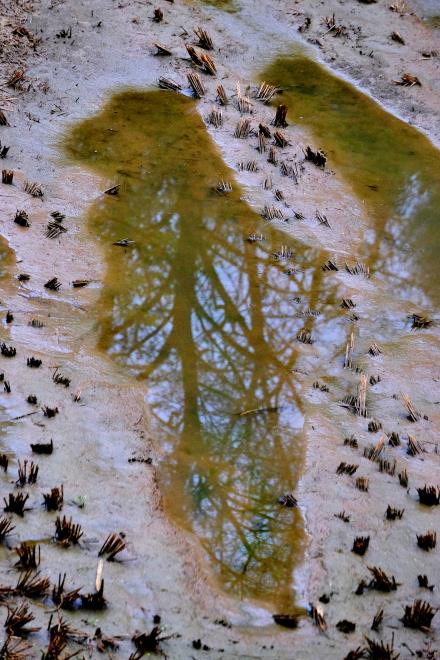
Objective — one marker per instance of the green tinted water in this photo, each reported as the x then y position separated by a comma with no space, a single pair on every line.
390,166
208,320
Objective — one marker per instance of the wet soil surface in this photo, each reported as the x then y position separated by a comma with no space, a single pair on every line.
177,335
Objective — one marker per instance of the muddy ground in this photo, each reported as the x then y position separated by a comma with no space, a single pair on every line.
96,437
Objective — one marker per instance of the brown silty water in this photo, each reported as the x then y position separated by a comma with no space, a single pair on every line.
207,302
391,167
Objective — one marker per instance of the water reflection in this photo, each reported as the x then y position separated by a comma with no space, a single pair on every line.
392,167
209,320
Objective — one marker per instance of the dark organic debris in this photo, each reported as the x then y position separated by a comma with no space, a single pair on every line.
15,648
381,581
419,322
167,83
322,219
4,462
147,643
29,556
360,545
342,516
25,477
31,585
414,447
387,467
346,468
17,620
104,643
95,600
6,527
221,95
3,149
15,503
426,541
113,545
378,650
403,478
58,216
287,500
351,442
243,128
429,495
196,85
204,38
423,582
64,33
330,265
396,36
280,139
8,177
418,615
7,351
280,117
42,447
408,80
363,484
318,157
35,323
59,379
66,532
337,30
49,412
316,613
34,363
345,626
33,189
286,620
23,277
394,514
54,500
32,399
413,414
21,218
266,92
55,229
394,439
66,600
304,336
377,620
358,269
162,50
53,284
79,284
158,15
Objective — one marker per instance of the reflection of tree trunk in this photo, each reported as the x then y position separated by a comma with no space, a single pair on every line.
184,276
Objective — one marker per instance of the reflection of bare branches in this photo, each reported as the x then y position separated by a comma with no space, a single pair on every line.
204,316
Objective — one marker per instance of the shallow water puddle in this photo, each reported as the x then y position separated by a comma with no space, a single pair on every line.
208,320
392,167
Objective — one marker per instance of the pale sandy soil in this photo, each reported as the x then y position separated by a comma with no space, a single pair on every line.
94,438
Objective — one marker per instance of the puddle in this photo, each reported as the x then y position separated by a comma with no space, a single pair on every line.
225,5
390,166
208,320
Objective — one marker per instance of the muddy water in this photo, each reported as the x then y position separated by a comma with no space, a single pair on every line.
208,320
390,166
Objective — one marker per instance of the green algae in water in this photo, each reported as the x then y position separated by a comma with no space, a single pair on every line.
209,321
392,167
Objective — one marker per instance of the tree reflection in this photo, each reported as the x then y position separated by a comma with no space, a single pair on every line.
209,321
